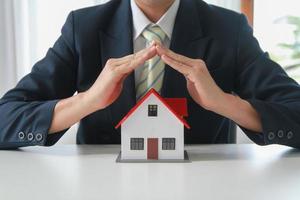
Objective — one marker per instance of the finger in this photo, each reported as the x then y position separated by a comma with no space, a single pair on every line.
127,59
142,52
138,60
123,60
155,43
178,66
179,58
121,72
141,57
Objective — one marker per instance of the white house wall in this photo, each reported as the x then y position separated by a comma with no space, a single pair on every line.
165,125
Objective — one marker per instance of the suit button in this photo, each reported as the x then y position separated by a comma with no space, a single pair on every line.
290,135
30,136
21,136
38,137
280,133
271,136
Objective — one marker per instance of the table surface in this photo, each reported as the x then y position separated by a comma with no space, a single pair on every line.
90,172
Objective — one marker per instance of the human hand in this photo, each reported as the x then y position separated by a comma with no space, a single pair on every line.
200,84
109,83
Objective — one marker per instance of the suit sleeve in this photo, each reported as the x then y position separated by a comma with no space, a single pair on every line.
26,111
266,86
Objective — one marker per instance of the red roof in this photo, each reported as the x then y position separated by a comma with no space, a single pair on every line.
177,106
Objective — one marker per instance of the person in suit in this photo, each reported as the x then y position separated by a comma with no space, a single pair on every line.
111,54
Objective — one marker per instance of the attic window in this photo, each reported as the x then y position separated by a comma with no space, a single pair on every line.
152,110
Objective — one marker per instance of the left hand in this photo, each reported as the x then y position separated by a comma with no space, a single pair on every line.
204,90
201,86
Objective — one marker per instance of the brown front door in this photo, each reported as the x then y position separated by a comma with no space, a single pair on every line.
152,150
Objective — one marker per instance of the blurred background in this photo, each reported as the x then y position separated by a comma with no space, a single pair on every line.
29,27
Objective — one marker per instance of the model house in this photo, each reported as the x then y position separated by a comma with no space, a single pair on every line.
154,129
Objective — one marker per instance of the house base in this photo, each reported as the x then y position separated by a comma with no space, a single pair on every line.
185,160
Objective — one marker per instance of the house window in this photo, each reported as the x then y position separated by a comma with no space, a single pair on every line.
152,110
137,144
168,144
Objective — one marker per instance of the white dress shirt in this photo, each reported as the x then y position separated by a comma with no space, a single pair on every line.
140,22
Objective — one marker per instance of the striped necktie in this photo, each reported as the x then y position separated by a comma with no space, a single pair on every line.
153,71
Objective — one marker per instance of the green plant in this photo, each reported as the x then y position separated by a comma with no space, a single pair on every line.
294,47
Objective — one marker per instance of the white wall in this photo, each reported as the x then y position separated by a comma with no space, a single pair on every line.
230,4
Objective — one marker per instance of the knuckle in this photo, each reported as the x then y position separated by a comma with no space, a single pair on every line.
199,61
144,55
114,70
147,55
110,61
197,70
109,67
133,57
203,63
131,64
203,70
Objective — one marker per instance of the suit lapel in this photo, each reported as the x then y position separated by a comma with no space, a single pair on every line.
116,41
189,40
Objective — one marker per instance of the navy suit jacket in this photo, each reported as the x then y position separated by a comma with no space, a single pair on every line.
90,36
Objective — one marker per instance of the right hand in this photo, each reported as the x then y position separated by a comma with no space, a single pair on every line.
109,83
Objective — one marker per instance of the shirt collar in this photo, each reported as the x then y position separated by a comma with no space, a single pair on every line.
166,22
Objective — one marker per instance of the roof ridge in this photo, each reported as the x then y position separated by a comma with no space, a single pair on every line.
140,102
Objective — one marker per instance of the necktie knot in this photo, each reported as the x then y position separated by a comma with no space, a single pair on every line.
154,33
